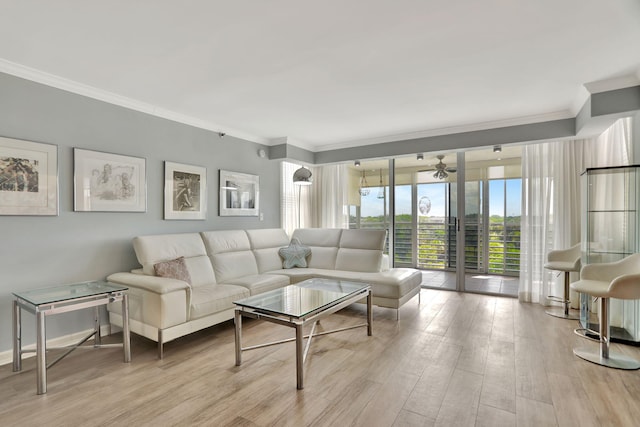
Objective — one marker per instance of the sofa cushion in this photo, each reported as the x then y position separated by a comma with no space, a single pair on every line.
294,255
296,275
359,260
265,244
230,254
361,250
363,239
151,250
259,283
323,243
206,300
174,269
394,283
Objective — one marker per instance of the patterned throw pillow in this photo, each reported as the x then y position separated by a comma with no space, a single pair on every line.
294,255
174,269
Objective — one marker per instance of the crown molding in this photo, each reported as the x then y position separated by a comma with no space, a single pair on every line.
560,115
292,141
67,85
614,83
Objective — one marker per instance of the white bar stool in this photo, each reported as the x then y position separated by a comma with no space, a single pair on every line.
620,280
566,260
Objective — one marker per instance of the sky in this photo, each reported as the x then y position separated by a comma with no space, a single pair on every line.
372,206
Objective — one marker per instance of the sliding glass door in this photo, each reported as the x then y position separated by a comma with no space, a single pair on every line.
455,216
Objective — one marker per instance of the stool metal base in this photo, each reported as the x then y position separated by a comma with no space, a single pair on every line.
559,312
615,360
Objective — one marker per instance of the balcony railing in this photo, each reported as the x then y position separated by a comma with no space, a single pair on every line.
436,244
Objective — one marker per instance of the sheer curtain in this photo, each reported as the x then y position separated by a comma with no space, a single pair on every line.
295,200
551,203
321,204
329,197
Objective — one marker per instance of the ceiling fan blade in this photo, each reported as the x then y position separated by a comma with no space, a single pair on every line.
452,170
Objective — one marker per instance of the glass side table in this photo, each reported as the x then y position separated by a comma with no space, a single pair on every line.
61,299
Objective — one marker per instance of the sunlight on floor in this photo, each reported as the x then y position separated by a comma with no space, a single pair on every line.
493,284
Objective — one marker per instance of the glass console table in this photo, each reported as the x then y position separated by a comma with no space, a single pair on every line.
61,299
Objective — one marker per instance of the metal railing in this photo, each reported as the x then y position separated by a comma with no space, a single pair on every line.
436,245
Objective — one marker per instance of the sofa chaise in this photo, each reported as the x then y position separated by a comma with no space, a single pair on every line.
211,269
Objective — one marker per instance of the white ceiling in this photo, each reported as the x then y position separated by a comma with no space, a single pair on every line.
331,73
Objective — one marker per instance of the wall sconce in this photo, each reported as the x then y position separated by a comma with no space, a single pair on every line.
357,163
420,156
497,148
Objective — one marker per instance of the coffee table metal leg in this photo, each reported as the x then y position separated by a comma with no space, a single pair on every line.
41,352
97,339
238,323
17,338
369,314
126,335
300,356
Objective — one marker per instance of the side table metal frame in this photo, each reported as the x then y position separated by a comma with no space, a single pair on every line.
43,310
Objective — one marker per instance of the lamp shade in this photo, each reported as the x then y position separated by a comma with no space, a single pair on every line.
302,176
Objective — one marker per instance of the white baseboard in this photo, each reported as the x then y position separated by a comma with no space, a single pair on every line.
6,357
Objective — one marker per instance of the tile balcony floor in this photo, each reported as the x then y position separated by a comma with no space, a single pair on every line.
474,282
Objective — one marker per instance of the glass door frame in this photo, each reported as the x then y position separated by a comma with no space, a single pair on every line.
460,222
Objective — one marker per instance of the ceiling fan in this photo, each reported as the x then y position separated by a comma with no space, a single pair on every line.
441,169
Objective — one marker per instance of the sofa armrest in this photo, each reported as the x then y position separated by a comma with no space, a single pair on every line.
156,301
158,285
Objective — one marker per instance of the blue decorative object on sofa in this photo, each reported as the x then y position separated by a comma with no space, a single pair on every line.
295,255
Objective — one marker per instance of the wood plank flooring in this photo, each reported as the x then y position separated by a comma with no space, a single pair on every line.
454,360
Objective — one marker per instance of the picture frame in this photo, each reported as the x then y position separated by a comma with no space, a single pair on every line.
106,182
28,177
239,194
185,191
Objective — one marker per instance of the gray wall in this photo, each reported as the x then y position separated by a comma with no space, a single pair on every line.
42,251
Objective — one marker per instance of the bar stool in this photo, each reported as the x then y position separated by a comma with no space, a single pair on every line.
566,260
619,280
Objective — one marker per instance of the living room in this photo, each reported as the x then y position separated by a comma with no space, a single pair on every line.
444,360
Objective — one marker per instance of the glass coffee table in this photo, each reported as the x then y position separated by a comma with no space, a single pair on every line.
297,305
61,299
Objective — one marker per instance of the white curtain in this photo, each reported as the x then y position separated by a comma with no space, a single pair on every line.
321,204
329,197
551,203
295,200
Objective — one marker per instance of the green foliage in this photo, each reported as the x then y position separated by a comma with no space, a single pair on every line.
436,242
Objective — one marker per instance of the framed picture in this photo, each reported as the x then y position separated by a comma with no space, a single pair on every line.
185,191
239,194
28,178
105,182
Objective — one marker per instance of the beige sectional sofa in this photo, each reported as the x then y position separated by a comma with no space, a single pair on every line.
227,265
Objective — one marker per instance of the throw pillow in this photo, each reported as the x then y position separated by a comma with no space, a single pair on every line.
174,269
295,255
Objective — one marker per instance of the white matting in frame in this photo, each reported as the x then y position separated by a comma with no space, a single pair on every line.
105,182
239,194
28,178
185,191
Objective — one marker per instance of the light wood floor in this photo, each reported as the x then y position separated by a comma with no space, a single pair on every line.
454,360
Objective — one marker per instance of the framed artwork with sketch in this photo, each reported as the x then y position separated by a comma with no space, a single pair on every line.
105,182
28,178
185,191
